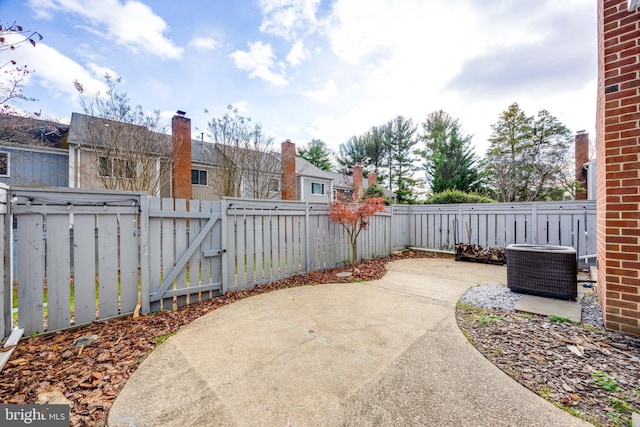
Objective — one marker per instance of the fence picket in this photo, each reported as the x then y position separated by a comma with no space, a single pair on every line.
250,237
108,266
196,274
259,248
129,262
215,241
155,253
31,273
168,247
58,272
84,268
209,266
181,248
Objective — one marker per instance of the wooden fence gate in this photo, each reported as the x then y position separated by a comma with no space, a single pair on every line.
185,253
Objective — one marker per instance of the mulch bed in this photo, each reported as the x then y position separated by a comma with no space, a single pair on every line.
90,377
591,373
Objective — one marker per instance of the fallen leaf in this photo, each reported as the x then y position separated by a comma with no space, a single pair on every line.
575,350
18,362
537,357
136,312
18,399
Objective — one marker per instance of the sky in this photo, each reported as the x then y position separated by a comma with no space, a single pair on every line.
316,69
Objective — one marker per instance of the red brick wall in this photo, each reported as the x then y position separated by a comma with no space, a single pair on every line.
181,149
581,157
618,165
288,162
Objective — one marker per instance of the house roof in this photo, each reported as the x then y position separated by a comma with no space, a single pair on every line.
205,153
305,168
103,131
30,131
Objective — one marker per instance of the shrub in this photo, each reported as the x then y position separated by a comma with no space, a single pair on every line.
455,196
374,190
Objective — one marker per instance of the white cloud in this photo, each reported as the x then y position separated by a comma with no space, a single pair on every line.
99,71
259,61
297,54
41,8
58,80
327,92
243,107
132,25
398,57
204,43
288,18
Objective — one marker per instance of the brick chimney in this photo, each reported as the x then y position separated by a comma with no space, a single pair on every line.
181,152
357,182
288,163
372,178
581,157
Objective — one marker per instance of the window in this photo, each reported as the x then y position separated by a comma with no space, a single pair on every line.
198,177
4,164
105,166
124,168
274,185
120,168
317,188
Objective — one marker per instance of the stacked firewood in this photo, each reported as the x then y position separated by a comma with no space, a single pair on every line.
477,253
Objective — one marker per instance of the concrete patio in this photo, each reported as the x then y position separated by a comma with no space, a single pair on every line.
385,353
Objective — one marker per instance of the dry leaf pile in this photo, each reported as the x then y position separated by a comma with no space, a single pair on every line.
477,253
90,373
585,370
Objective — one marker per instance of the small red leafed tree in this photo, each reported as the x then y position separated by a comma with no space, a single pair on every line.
353,216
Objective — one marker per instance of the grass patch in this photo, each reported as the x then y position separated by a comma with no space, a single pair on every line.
470,308
620,405
545,391
559,319
161,338
590,328
570,409
604,380
496,352
487,319
468,336
525,315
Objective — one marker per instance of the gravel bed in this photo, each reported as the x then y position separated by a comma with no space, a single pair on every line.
502,298
591,312
491,296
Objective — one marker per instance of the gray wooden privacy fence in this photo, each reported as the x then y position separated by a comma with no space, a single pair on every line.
439,227
81,256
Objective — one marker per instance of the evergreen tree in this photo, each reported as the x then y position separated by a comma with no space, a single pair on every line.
317,153
529,158
401,159
449,160
352,152
376,148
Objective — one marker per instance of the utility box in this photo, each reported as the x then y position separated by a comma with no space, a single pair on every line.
543,270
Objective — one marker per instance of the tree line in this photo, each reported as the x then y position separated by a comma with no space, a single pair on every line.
530,157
